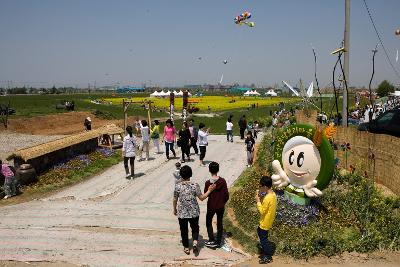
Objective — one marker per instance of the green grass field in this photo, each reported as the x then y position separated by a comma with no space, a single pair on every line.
38,105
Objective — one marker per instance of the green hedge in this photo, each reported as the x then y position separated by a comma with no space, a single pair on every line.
352,216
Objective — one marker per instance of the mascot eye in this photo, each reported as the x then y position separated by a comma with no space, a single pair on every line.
291,157
300,159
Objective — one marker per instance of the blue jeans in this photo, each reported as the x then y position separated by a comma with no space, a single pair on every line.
265,249
229,135
169,146
10,186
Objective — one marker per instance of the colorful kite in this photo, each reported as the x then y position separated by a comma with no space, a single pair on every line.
241,19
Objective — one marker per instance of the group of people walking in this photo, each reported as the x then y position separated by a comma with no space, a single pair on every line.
252,130
187,193
189,136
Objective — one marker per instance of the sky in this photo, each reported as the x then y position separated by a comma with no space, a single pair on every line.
131,42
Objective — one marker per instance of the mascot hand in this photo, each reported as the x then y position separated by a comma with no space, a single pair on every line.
310,190
279,177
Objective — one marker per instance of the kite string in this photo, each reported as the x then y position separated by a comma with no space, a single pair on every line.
380,40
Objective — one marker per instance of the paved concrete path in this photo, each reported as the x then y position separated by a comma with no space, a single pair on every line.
111,221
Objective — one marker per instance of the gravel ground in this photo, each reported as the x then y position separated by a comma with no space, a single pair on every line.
11,141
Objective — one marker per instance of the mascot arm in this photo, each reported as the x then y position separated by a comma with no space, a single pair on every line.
279,177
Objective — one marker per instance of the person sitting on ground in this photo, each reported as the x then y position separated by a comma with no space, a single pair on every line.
88,124
266,205
187,208
215,205
10,182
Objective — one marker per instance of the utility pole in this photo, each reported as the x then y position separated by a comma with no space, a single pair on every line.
346,63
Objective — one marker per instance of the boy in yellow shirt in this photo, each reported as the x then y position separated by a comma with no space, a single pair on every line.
266,205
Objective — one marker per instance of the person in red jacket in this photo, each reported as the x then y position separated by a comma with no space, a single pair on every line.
215,205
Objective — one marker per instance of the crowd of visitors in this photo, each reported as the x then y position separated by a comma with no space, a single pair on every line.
362,114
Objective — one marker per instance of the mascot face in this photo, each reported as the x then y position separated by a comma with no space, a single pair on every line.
301,160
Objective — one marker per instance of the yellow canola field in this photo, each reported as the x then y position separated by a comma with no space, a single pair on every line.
216,103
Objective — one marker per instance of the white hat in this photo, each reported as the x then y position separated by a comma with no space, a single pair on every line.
88,118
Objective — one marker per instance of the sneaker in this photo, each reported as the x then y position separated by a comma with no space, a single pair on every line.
7,196
248,166
211,244
182,161
265,260
128,176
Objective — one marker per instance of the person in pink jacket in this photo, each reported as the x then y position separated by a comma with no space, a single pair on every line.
169,138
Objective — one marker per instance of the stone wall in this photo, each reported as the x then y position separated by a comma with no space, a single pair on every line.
376,155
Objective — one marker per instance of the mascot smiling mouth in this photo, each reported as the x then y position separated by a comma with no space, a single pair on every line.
299,174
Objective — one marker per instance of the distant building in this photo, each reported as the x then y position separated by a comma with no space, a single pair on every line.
238,89
129,89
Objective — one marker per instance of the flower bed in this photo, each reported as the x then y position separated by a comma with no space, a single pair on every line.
74,169
352,215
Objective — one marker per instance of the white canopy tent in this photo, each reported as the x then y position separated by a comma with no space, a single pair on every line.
251,93
271,92
248,93
155,94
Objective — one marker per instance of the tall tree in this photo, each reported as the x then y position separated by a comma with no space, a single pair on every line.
384,88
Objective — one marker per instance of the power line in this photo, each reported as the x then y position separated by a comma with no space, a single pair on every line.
380,40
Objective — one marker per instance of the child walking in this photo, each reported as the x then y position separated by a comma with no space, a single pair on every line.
249,148
10,183
176,173
266,205
215,205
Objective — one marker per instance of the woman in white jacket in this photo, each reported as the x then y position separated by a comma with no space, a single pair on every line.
128,152
202,142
